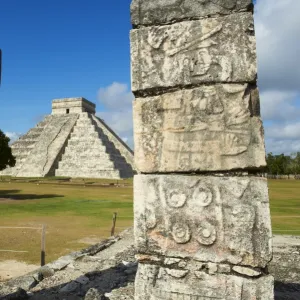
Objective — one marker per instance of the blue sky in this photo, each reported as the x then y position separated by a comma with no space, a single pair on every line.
56,49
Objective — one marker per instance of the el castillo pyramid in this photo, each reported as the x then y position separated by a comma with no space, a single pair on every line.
71,142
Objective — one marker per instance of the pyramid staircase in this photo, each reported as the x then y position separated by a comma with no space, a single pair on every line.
23,146
71,142
90,154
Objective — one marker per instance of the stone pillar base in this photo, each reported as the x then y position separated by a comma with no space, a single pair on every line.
154,282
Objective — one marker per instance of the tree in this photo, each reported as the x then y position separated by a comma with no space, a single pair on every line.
278,164
6,157
295,163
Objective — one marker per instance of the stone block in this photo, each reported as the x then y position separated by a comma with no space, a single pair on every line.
156,283
194,52
145,12
209,128
12,293
205,218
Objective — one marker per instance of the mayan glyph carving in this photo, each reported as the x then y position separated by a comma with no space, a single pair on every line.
194,52
202,217
167,11
160,283
217,219
208,128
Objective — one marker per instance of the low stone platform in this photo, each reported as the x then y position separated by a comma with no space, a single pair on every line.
107,271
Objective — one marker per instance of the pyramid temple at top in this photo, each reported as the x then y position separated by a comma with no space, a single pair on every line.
71,142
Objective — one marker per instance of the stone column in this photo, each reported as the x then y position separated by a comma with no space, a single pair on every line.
202,218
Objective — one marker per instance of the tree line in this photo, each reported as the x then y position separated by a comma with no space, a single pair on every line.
283,164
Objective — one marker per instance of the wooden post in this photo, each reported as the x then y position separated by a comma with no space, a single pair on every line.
114,224
43,246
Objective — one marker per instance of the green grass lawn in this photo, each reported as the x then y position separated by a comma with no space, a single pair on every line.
285,206
71,213
80,211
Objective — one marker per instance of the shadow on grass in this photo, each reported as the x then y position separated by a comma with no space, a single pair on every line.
15,195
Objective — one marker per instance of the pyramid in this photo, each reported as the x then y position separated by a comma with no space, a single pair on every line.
71,142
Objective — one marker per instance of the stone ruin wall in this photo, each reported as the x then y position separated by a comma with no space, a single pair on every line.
202,218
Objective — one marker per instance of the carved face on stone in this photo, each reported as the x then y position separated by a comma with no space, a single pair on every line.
201,62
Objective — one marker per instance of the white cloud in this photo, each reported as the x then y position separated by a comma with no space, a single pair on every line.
116,96
282,146
284,131
277,30
13,136
277,26
117,101
279,105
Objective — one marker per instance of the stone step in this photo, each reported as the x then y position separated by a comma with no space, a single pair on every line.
16,150
90,151
30,138
84,122
86,162
84,115
87,149
35,130
42,125
89,174
20,156
90,165
69,155
83,129
86,170
23,144
79,143
84,134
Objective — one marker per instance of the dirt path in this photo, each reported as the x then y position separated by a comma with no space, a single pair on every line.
12,268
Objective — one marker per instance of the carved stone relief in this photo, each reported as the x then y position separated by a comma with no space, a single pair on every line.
207,128
220,219
159,283
194,52
165,11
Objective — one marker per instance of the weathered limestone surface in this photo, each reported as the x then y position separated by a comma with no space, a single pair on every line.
51,143
90,154
208,128
145,12
125,151
193,52
159,283
202,218
207,218
73,105
71,142
22,147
